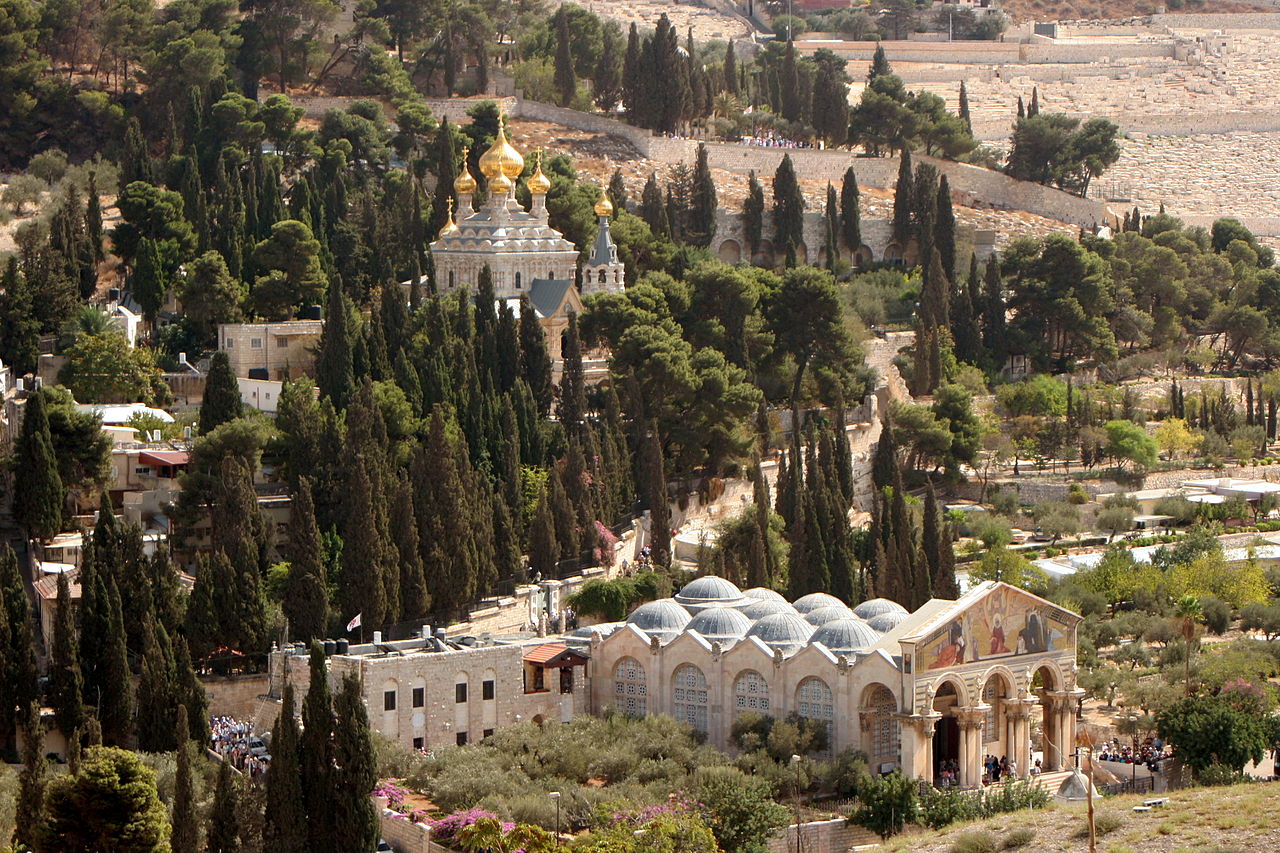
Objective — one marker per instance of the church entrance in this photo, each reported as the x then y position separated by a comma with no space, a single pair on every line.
946,744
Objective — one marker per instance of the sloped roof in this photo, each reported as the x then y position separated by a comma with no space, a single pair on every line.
554,655
47,587
548,294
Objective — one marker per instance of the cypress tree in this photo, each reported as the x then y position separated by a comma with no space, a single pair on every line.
573,389
653,210
157,693
566,82
1022,110
285,818
788,205
446,171
65,681
617,192
790,82
1034,108
414,599
239,535
335,373
190,692
730,70
544,547
93,218
753,215
306,599
993,315
18,673
850,215
95,622
38,495
1248,401
903,203
654,492
112,690
879,64
355,774
315,753
29,814
224,817
703,204
535,361
944,228
364,563
963,110
185,835
221,402
832,222
631,81
964,323
563,515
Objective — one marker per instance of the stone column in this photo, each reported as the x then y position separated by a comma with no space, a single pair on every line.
970,753
1020,750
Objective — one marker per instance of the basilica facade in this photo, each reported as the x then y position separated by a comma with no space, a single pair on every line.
992,673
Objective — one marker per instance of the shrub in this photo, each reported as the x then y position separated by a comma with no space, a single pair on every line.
1107,822
886,805
1217,775
1018,838
1077,495
978,841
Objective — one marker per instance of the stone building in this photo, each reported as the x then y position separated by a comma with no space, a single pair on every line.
991,673
435,691
276,351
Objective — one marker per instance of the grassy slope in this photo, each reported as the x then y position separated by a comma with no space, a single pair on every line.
1239,819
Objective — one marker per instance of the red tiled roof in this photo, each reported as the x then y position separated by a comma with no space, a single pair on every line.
47,587
553,653
165,457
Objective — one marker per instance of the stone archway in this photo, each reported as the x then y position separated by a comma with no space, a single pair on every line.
947,748
863,256
730,251
997,700
1056,725
764,256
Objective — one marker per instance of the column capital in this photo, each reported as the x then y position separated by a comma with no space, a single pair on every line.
971,716
922,723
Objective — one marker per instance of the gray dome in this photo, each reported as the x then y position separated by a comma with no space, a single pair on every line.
828,613
758,608
785,631
763,592
661,617
720,623
814,600
846,635
582,636
708,591
886,622
878,606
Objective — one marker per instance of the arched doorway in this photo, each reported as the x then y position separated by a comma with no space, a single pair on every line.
946,732
765,255
882,730
1049,733
730,252
997,738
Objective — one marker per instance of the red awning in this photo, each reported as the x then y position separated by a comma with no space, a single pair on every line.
165,457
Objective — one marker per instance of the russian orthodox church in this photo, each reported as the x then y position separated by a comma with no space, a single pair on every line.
525,255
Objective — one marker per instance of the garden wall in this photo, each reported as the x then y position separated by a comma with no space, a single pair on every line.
823,836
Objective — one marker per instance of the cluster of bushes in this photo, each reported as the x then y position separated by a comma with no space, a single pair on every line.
887,804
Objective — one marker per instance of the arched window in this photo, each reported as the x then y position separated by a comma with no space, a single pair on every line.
630,692
990,698
814,702
451,279
886,729
517,281
551,274
602,277
617,276
690,696
751,693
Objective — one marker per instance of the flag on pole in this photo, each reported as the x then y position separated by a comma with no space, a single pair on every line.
354,623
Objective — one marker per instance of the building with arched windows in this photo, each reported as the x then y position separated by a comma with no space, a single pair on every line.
991,673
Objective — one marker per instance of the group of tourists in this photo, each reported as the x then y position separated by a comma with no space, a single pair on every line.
235,741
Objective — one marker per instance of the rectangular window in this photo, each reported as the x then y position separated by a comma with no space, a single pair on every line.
282,342
488,733
460,693
255,343
487,690
419,697
388,700
417,743
230,343
462,738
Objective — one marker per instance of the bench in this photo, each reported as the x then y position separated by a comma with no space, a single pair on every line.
1142,809
1156,802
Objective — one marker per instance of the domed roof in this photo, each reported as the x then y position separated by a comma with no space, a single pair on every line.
785,631
877,606
450,227
604,207
886,622
720,623
538,183
763,592
502,158
663,617
758,608
829,613
500,185
846,635
814,600
708,591
464,184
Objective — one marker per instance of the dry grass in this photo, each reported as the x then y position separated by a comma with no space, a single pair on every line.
1205,820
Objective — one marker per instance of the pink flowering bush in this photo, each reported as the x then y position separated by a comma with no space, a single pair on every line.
605,540
447,827
394,793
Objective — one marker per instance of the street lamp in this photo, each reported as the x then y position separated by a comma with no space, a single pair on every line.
555,795
1133,758
795,762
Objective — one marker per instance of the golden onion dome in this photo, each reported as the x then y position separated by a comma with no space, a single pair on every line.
450,227
604,207
502,158
500,185
538,183
464,184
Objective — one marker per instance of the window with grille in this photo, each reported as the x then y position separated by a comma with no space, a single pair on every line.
990,698
630,690
689,693
751,693
814,702
886,730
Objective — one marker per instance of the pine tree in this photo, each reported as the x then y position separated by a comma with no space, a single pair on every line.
38,493
565,81
850,215
753,215
29,814
221,402
702,204
306,599
185,835
963,109
356,821
335,374
224,817
315,755
285,818
903,203
65,682
788,205
944,229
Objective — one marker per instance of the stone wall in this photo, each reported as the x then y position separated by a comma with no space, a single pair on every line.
235,696
404,836
824,836
1209,21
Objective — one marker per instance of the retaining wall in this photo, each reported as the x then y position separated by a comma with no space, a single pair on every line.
235,696
823,836
1210,21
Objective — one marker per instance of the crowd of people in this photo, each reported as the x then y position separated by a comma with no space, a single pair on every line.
235,741
993,769
772,141
1151,752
